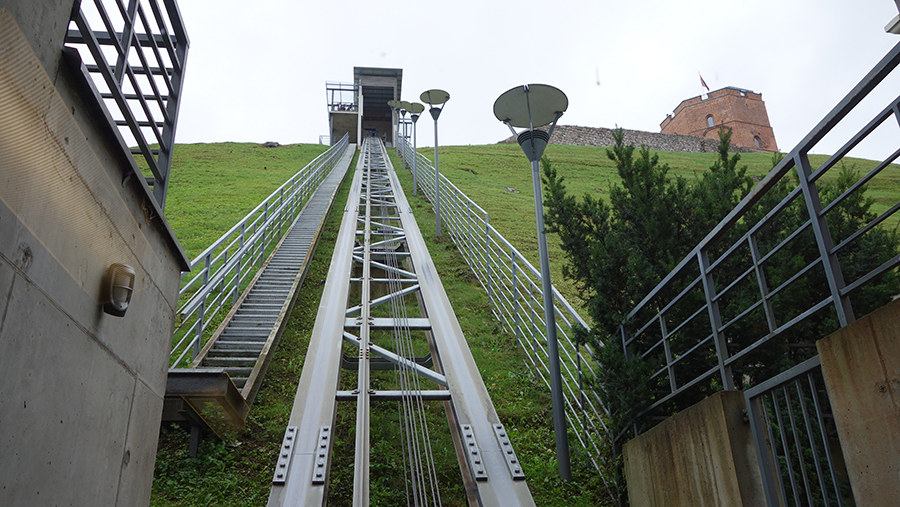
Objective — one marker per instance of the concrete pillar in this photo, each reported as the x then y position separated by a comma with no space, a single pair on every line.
702,456
861,366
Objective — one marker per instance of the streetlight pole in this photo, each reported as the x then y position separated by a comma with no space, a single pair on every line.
415,110
436,98
528,106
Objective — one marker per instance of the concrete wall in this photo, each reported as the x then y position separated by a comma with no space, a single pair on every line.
702,456
861,366
82,391
741,110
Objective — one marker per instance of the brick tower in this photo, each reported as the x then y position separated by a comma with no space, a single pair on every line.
742,110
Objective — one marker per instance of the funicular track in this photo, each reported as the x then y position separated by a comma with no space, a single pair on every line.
384,304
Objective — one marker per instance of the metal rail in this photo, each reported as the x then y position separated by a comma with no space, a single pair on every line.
514,287
794,444
222,271
139,82
740,257
380,248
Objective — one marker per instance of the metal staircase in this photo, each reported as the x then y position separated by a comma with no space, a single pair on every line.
218,389
243,342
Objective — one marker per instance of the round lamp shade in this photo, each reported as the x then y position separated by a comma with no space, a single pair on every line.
542,103
435,96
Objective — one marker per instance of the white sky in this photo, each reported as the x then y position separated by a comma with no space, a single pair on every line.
257,70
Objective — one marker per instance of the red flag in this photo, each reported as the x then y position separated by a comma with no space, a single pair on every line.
702,82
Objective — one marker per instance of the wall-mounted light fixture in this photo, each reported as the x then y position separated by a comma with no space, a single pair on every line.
118,286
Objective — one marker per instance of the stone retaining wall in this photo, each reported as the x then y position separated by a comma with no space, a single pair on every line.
594,136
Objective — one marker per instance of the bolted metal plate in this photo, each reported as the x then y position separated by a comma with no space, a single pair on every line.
323,448
284,455
540,103
474,453
515,468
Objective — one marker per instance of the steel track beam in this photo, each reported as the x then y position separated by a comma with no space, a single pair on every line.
492,467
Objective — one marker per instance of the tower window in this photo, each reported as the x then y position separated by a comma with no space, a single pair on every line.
709,121
756,141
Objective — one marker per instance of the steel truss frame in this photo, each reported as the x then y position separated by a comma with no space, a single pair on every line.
378,225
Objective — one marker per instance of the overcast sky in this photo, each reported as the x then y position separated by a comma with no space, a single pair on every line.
257,71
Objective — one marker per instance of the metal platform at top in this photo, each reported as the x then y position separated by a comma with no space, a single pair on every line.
380,273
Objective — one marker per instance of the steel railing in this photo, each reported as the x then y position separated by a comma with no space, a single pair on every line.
135,65
738,289
514,288
222,271
799,455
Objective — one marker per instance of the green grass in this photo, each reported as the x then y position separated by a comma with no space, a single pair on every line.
239,473
212,186
482,172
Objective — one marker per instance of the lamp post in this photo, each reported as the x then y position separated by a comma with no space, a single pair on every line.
405,108
415,110
434,98
395,107
530,106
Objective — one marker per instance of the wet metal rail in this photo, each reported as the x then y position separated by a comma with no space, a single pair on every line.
380,273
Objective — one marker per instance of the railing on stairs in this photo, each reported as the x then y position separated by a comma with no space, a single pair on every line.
221,272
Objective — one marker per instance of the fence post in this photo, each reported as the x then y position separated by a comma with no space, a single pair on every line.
201,310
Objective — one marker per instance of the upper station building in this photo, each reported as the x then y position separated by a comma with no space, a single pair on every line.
741,110
360,108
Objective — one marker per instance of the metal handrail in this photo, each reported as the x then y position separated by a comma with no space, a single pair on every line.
144,38
645,329
229,261
514,289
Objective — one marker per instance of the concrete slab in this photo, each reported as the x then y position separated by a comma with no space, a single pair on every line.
861,366
64,408
702,456
139,457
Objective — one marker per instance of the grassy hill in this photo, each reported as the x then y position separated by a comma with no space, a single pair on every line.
238,473
214,185
483,172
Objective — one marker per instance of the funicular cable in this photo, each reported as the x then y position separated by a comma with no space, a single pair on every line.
421,476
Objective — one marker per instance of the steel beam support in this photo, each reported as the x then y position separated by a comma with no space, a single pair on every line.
471,402
314,404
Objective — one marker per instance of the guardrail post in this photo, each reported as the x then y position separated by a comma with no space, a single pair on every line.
715,319
824,241
201,310
238,267
265,234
